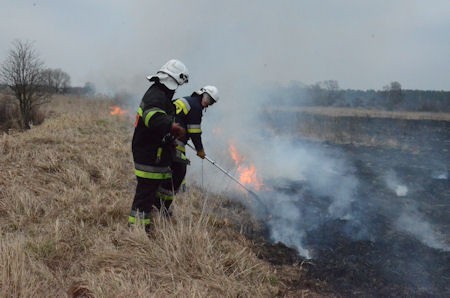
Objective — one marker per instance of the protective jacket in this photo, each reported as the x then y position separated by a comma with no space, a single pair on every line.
189,112
151,145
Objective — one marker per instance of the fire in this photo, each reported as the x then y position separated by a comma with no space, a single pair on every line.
235,155
117,111
247,174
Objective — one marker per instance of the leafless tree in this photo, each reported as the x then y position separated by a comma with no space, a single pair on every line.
22,72
62,80
56,80
325,93
393,95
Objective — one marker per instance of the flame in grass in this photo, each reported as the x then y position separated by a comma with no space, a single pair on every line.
235,155
117,111
247,173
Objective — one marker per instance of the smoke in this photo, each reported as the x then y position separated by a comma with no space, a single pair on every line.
440,172
283,221
327,184
289,166
394,184
413,222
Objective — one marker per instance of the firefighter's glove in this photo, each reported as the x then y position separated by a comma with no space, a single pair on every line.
201,154
177,130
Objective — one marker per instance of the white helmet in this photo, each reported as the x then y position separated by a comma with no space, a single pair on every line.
211,90
172,74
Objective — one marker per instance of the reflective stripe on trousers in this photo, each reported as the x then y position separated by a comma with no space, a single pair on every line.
164,194
139,217
152,172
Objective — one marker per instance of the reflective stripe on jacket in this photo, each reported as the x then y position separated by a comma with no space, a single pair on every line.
154,119
189,112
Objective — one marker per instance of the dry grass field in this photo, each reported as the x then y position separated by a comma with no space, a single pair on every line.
365,113
65,191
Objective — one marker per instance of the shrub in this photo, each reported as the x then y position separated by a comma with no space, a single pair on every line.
9,113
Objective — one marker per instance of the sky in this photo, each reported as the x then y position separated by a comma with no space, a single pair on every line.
116,44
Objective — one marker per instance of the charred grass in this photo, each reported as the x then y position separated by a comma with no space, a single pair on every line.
402,130
65,191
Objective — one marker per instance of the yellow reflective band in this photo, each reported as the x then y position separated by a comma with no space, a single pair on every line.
181,148
159,153
149,114
194,130
151,169
133,220
149,175
180,106
164,197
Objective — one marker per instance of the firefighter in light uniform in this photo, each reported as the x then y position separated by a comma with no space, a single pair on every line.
189,112
153,140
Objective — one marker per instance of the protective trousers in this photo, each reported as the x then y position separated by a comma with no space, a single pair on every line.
149,195
178,174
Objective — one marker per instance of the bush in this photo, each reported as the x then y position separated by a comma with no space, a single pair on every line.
37,116
10,114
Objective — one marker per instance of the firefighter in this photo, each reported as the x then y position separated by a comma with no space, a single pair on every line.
189,112
153,140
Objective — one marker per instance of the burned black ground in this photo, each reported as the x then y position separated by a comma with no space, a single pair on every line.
396,241
385,261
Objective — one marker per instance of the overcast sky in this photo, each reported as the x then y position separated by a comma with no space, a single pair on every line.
361,44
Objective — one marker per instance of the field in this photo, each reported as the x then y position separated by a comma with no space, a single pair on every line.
66,187
390,238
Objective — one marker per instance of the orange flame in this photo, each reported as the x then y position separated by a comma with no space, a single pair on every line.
117,111
247,174
235,155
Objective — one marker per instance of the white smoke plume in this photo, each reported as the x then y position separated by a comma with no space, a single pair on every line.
394,184
414,223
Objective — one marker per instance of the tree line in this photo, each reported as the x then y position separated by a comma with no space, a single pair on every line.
390,97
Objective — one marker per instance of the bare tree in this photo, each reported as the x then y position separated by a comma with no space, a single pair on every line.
22,72
325,93
393,95
62,80
47,79
55,80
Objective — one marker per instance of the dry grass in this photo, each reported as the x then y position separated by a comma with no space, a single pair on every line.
366,113
65,191
358,127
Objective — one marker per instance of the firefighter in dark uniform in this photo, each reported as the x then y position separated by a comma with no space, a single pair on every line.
153,140
189,112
